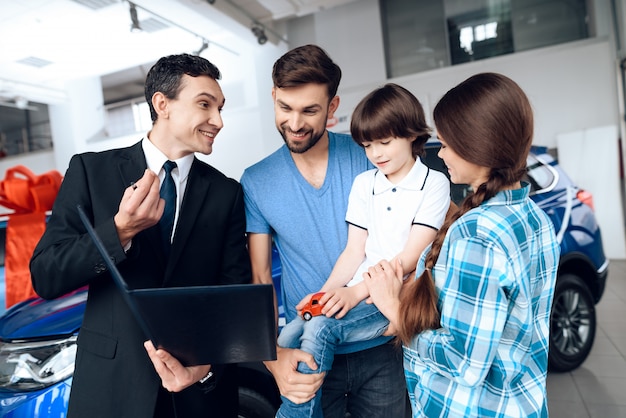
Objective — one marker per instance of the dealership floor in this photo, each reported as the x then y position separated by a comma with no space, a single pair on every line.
598,387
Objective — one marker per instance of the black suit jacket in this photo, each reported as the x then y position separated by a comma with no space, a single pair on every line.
114,376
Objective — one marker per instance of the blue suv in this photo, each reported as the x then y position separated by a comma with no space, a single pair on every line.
38,337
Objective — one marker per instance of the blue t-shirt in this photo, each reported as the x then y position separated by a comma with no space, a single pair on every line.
307,224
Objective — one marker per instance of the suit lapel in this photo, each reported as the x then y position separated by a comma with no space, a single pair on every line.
132,165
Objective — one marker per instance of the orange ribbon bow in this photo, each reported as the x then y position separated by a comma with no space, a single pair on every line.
30,197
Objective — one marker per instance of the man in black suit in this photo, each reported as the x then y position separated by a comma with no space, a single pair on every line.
115,376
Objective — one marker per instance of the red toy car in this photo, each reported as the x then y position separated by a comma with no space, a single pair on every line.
313,307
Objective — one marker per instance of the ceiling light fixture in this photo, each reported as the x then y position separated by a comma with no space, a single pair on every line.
134,27
21,102
205,45
172,23
259,32
256,26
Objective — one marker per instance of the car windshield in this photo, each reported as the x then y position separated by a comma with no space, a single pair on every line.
541,176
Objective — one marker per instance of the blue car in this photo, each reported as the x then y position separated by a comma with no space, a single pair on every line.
38,337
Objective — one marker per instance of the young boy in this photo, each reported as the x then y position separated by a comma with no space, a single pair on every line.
394,212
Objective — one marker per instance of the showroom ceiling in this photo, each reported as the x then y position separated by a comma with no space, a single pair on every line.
47,42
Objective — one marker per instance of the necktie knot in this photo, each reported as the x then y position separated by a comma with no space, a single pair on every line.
168,166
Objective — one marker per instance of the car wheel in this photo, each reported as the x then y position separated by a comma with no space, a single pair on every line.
253,405
307,316
573,324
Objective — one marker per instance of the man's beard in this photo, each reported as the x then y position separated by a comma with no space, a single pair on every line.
301,147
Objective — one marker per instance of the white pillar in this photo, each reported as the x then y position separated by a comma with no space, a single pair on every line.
590,158
77,121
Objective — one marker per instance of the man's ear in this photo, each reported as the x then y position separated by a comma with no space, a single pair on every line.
332,106
160,104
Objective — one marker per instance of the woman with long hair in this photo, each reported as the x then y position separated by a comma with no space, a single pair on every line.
474,324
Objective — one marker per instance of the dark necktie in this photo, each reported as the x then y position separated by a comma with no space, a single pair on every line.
168,193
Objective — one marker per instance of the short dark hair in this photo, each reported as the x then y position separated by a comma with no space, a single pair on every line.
304,65
390,111
165,76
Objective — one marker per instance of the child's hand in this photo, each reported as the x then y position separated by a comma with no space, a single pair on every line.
303,302
338,302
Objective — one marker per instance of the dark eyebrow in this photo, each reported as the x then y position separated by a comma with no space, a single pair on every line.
283,104
313,107
310,107
211,98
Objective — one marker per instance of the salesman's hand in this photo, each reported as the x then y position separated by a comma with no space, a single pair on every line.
295,386
174,376
140,208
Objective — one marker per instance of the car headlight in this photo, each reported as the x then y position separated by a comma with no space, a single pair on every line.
34,365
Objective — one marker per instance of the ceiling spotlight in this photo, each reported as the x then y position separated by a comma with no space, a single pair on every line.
259,32
21,102
205,45
134,27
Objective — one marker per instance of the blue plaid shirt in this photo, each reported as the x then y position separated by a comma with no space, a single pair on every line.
495,277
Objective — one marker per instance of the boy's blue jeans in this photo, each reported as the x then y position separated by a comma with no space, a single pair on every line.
320,337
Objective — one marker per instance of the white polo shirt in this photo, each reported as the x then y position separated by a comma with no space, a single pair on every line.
387,211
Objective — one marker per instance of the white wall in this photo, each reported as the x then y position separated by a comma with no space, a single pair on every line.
591,159
249,131
571,86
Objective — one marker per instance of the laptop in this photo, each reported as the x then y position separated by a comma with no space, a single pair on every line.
201,324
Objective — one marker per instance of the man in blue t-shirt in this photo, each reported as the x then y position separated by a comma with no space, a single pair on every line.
298,197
